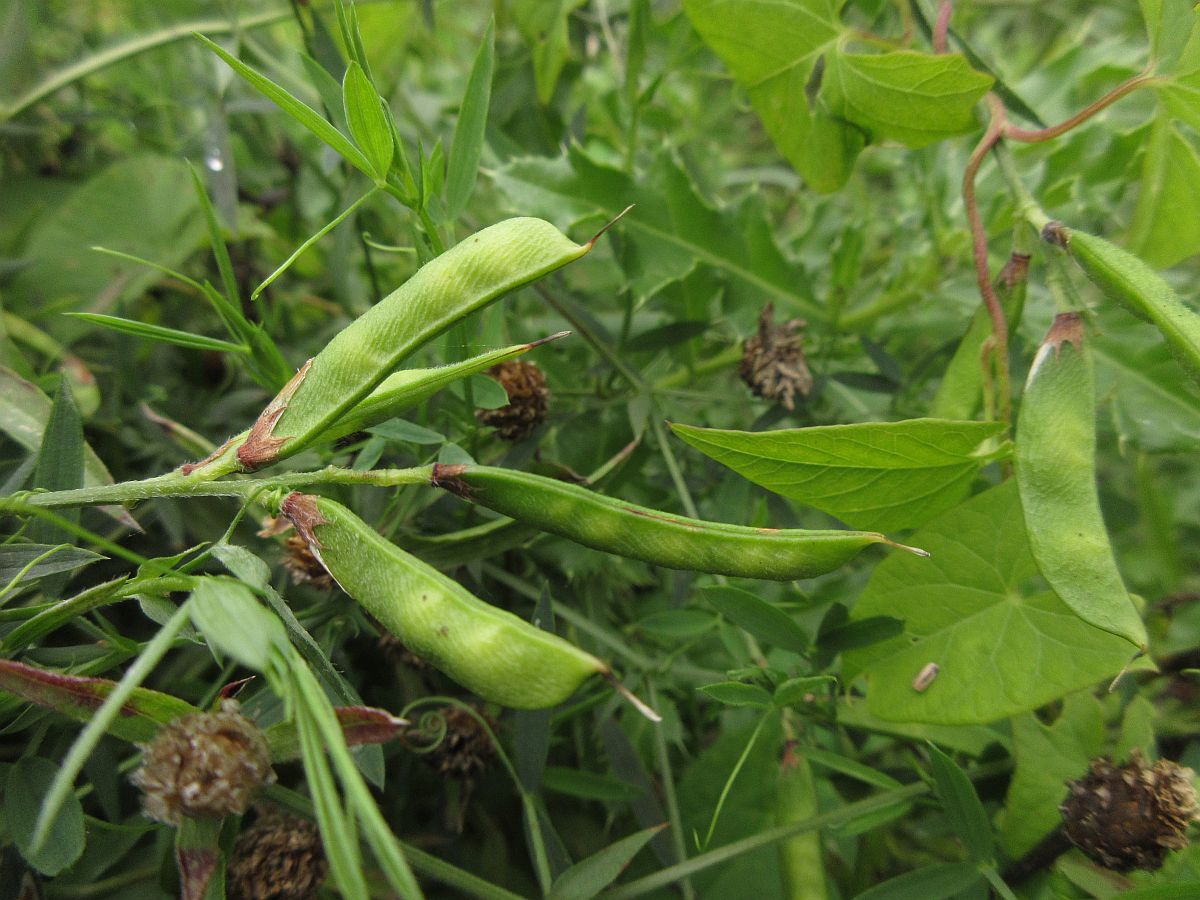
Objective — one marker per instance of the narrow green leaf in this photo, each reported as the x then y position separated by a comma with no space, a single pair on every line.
873,475
467,147
590,876
845,766
29,782
60,463
216,239
798,690
862,632
230,617
736,693
967,817
301,112
30,561
766,622
368,124
160,333
935,882
589,785
143,713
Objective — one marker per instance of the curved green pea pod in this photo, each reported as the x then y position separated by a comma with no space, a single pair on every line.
1141,290
499,656
799,857
1055,456
399,391
469,275
676,542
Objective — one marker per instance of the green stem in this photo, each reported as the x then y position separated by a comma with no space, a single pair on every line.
176,484
1027,208
715,363
112,55
669,797
1002,890
766,838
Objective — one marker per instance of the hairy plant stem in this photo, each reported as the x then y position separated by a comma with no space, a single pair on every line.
983,275
175,484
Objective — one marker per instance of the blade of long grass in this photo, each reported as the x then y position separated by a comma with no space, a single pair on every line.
160,333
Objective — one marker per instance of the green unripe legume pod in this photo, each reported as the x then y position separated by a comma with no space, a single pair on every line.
1141,290
1055,456
800,860
398,392
499,656
676,542
469,275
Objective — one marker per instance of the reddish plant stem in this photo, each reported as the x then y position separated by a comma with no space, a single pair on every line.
983,275
942,26
1037,135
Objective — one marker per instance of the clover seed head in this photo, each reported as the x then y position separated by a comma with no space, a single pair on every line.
280,858
773,364
1129,817
203,766
528,400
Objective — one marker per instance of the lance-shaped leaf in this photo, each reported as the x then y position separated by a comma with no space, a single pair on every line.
874,475
79,697
360,725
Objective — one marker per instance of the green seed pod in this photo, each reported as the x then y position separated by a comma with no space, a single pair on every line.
470,275
800,856
487,650
676,542
1125,278
398,392
1055,457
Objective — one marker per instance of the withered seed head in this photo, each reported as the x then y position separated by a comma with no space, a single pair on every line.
773,364
206,765
528,400
466,749
1129,817
280,858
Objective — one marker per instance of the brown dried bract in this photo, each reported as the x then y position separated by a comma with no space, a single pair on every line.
448,478
773,363
302,564
1067,329
280,858
1129,817
260,448
301,510
203,766
528,400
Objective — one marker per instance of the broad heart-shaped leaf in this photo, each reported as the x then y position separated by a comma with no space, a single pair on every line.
772,47
79,697
670,231
1155,405
1047,755
1169,25
1002,648
874,475
913,98
1166,222
28,782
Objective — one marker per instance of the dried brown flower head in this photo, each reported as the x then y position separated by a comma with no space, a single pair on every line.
205,765
280,858
773,364
1129,817
466,749
303,564
528,400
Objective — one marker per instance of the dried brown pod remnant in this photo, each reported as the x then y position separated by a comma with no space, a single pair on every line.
203,766
280,858
467,747
528,400
1129,817
303,564
773,364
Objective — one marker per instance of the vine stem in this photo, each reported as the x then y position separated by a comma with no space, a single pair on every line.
983,276
1037,135
175,484
942,27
